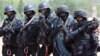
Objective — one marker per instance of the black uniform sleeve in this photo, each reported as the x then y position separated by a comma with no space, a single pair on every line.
71,34
18,27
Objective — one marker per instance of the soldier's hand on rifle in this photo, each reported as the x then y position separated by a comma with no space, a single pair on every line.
22,29
9,30
83,28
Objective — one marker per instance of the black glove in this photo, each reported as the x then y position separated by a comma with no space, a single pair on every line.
9,30
82,28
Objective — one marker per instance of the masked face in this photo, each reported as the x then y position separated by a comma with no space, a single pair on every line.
45,12
63,15
10,15
29,14
79,19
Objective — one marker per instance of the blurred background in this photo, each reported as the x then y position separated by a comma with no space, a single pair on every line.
91,6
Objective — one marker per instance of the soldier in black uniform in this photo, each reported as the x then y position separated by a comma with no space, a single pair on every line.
81,39
27,40
9,30
90,41
61,24
47,16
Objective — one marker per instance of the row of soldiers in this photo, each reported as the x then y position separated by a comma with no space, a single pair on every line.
58,33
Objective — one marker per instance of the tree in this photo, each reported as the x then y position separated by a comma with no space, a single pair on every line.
20,7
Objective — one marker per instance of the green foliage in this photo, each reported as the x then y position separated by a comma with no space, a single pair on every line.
98,9
20,8
72,4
